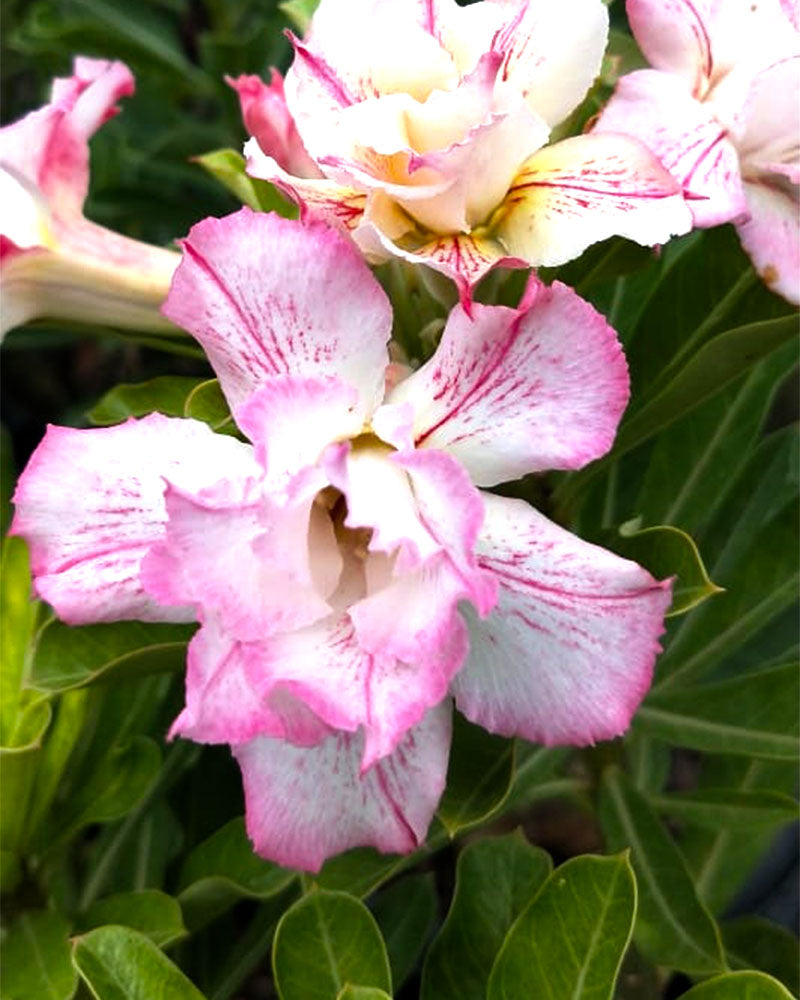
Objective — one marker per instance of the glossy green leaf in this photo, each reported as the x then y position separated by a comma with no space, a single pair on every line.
325,941
149,911
755,943
17,616
496,878
36,959
114,788
299,12
570,941
739,986
668,552
754,714
18,766
207,403
405,912
479,776
359,871
118,963
224,869
362,993
729,808
228,166
673,928
67,657
165,394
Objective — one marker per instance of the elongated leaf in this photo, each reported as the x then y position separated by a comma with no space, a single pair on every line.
359,871
224,869
752,942
405,912
325,941
18,765
496,879
729,808
153,913
228,166
165,394
739,986
755,714
17,615
668,552
207,403
569,942
362,993
36,959
673,928
479,776
118,963
67,657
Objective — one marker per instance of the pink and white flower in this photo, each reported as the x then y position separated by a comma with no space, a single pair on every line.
53,261
720,109
429,122
349,575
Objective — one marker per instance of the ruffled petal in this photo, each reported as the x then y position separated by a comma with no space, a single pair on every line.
675,35
685,135
513,391
772,235
303,805
232,553
90,504
313,308
568,653
552,51
583,190
50,146
267,118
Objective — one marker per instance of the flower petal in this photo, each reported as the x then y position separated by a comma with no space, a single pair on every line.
232,553
314,308
267,118
685,135
583,190
50,146
90,504
568,653
768,130
511,391
772,235
304,805
675,35
552,51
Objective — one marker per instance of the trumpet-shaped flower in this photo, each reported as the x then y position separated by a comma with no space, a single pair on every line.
720,110
53,261
429,124
349,575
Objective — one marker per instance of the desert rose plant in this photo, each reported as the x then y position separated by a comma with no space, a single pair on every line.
418,617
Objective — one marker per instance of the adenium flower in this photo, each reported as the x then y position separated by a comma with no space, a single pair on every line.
350,577
53,261
429,122
720,109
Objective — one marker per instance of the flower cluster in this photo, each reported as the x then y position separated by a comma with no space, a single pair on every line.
352,574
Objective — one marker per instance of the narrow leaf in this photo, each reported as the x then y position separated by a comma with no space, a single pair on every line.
728,808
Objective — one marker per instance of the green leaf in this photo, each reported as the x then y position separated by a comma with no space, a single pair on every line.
359,871
715,365
113,789
207,403
673,928
17,616
666,551
755,714
570,941
7,478
739,986
299,12
405,912
18,765
229,168
496,878
153,913
66,657
165,394
729,808
479,776
35,959
362,993
325,941
752,942
118,963
222,870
